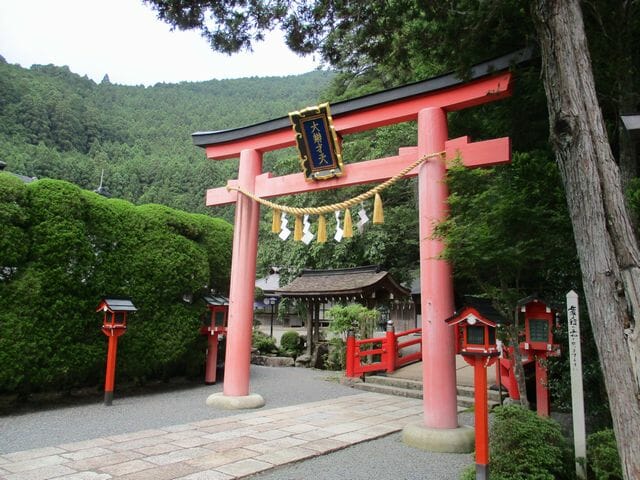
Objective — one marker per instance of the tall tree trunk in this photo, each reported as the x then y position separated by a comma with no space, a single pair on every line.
607,249
518,369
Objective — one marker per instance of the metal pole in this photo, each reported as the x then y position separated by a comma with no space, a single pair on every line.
273,307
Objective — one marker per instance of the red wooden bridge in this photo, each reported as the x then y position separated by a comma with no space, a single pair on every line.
383,353
393,351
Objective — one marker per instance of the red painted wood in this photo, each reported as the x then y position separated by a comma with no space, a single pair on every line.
391,349
542,391
211,365
110,376
412,357
262,143
459,97
351,357
487,153
481,411
474,154
439,389
243,268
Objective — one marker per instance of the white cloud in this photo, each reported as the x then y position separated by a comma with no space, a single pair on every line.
124,39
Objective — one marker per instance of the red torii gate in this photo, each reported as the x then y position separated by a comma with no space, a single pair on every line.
428,102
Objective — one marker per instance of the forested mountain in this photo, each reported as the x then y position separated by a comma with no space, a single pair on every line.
56,124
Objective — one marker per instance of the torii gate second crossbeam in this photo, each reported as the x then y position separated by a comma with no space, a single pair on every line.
427,102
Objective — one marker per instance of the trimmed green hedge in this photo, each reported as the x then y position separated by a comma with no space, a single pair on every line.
602,456
524,446
63,248
291,343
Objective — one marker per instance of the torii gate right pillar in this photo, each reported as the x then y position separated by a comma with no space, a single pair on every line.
440,430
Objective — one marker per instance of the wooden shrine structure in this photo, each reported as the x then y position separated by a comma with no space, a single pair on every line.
428,102
367,285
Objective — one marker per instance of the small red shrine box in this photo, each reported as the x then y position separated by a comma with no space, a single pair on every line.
475,326
213,327
115,314
218,305
114,324
538,320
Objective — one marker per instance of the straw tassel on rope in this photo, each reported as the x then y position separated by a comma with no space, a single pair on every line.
348,225
275,221
297,230
322,229
378,213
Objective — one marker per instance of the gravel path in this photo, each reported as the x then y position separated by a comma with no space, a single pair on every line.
279,387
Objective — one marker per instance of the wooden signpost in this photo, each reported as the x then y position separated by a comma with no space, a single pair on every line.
577,394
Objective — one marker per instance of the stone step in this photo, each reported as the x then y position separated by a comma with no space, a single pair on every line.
387,389
413,389
394,382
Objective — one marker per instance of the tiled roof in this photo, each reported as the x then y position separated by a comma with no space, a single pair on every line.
341,283
120,304
484,307
215,300
269,283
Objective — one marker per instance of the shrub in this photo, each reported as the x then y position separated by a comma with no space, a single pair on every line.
602,456
263,343
525,446
66,249
291,343
357,317
337,354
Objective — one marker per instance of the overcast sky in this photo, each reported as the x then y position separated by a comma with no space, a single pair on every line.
124,39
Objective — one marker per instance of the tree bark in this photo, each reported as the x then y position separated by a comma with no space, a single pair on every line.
518,369
607,249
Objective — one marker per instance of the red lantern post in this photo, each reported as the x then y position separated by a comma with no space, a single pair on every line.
538,345
216,326
476,341
114,324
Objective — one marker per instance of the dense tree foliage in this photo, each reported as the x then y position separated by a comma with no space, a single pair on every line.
56,124
526,446
63,248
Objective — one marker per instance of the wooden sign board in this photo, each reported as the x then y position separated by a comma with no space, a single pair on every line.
317,143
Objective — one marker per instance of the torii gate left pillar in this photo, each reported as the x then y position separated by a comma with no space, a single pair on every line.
427,102
236,393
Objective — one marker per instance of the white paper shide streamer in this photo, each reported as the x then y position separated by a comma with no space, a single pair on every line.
284,231
339,232
307,236
362,213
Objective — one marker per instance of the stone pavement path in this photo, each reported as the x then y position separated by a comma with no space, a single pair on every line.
220,448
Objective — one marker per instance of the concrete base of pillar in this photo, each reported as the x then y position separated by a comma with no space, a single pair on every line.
448,440
219,400
482,472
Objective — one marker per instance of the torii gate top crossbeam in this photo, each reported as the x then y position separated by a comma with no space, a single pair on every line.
376,110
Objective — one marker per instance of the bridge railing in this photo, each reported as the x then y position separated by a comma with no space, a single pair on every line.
382,353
